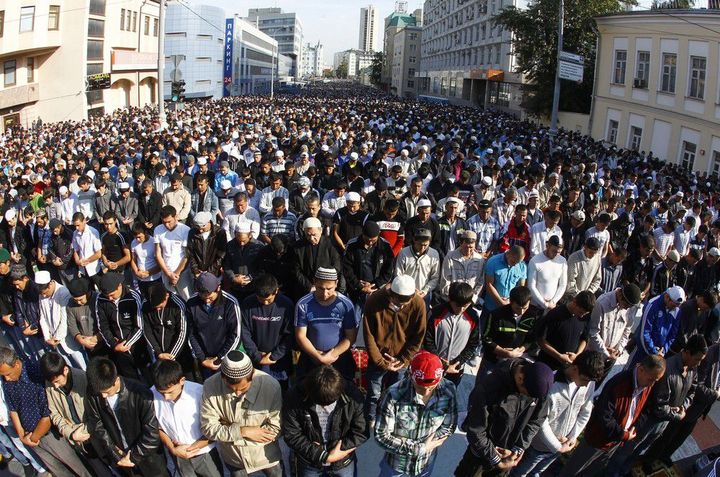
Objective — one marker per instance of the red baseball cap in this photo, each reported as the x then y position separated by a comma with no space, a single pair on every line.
426,369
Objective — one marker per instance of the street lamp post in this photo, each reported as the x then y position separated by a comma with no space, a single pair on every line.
556,95
161,67
272,74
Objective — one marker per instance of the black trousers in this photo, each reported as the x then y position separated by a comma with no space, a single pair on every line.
472,466
134,364
154,465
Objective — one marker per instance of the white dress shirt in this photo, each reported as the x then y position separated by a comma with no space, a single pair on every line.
87,244
180,420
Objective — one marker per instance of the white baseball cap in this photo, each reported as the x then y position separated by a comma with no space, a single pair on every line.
676,294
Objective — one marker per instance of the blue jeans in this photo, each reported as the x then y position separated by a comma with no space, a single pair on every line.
375,376
630,451
533,463
11,441
347,471
387,471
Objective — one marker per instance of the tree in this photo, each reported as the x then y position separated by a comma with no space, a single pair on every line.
376,68
342,70
535,45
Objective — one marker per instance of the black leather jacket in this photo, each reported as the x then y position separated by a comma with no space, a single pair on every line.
137,423
301,427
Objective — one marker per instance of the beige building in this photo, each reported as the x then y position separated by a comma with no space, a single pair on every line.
656,85
405,62
394,23
49,48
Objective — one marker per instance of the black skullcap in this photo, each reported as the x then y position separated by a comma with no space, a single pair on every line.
109,282
371,229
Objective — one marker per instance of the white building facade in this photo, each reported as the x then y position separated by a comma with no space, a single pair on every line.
285,28
370,36
466,58
356,60
194,49
47,52
250,59
313,60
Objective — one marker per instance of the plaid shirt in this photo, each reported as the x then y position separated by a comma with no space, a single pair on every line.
486,231
404,423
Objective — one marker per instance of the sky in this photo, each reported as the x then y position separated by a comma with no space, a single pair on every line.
335,23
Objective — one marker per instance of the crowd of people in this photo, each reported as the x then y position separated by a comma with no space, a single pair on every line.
325,268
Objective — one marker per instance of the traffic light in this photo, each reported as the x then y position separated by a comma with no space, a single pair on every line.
181,90
177,95
175,91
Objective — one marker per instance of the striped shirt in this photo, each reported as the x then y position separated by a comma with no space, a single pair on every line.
273,225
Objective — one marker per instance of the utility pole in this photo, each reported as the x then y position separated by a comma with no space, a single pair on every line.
161,68
272,75
556,95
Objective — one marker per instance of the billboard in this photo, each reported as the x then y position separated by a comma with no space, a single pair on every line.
228,61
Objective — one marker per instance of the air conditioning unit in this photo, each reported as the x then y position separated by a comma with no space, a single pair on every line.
640,83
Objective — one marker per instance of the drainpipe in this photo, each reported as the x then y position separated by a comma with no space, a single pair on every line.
140,31
595,79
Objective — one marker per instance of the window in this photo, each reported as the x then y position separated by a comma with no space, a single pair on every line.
94,68
97,7
642,72
54,17
122,19
411,71
9,72
688,155
96,28
669,71
2,22
635,138
612,131
412,59
134,21
27,19
156,25
716,164
95,50
147,26
620,64
697,77
30,66
128,20
411,84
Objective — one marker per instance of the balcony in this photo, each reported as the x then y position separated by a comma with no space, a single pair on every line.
18,95
29,44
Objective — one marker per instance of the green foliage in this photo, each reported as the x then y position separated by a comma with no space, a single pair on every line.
342,70
376,68
535,32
